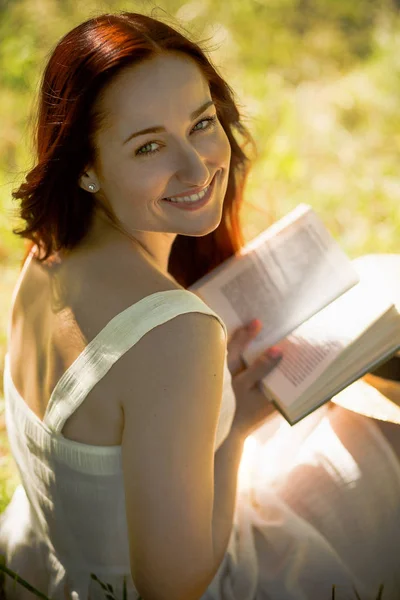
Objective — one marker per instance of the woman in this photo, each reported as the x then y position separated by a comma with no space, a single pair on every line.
125,419
109,291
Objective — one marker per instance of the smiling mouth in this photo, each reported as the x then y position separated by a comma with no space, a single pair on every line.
195,204
191,197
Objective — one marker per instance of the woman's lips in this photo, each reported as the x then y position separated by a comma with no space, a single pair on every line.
198,203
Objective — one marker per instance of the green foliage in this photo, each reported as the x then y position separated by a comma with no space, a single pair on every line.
9,477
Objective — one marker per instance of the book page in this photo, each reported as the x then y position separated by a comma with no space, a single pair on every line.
282,277
299,270
314,345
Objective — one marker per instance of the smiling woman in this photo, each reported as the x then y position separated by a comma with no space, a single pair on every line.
188,153
98,131
134,123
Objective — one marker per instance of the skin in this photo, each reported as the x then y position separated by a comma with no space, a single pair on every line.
163,91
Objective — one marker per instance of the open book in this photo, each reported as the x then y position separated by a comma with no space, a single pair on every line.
332,324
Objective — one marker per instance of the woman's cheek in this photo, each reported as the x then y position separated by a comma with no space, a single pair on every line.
224,147
150,181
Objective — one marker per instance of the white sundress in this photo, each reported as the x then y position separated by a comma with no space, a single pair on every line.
317,504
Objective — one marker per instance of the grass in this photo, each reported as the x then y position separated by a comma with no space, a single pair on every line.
108,589
4,570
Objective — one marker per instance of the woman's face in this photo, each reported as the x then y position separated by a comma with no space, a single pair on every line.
137,170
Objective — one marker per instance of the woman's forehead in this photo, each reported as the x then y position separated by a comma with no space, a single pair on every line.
161,85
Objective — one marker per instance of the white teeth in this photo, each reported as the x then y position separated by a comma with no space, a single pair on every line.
189,199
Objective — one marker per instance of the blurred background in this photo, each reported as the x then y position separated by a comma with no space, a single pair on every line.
318,85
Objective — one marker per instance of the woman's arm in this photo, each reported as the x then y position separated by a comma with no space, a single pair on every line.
171,398
226,466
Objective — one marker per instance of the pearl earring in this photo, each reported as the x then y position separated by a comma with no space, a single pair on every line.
91,187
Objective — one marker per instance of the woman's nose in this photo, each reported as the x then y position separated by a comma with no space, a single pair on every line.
191,167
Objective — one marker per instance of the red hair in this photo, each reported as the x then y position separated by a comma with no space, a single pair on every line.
57,212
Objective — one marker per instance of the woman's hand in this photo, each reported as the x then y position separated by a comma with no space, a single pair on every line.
252,407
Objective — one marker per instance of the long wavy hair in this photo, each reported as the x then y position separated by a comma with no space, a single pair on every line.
57,212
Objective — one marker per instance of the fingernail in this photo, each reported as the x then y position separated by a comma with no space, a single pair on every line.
254,325
274,353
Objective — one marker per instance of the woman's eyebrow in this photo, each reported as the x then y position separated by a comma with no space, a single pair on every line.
159,128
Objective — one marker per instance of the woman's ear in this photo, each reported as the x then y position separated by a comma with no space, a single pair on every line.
89,182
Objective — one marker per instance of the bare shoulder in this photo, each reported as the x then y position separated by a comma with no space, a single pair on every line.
64,306
111,288
175,355
114,282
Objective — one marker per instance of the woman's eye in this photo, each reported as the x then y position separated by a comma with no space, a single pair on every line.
143,148
210,122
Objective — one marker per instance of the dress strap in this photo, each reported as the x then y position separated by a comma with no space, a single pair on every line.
116,338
